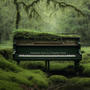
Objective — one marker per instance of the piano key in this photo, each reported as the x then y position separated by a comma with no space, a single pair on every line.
47,55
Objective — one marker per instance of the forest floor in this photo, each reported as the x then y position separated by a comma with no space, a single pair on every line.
31,75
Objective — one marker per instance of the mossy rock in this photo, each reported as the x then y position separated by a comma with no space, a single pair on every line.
7,85
8,66
14,73
7,53
57,79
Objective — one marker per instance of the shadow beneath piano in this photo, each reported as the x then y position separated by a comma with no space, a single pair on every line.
68,71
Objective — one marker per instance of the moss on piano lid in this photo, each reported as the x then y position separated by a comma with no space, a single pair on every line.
28,34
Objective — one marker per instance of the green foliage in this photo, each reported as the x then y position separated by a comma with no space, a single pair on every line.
6,45
26,77
8,66
57,79
80,81
7,20
14,77
59,65
77,83
7,53
7,85
80,25
6,50
13,73
56,17
86,70
35,77
63,68
85,54
33,65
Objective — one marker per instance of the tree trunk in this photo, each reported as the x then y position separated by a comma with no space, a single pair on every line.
0,38
17,14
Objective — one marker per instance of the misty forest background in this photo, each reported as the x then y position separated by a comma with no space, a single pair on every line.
49,16
52,16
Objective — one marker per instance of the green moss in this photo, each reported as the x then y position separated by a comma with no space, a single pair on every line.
7,85
86,70
14,73
35,77
6,52
65,68
8,66
86,54
27,34
26,77
6,44
59,66
80,81
57,79
77,83
33,65
14,77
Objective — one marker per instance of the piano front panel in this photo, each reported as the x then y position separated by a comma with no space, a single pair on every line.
47,52
35,50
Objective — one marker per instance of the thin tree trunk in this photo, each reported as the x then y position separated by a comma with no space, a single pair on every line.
17,14
0,38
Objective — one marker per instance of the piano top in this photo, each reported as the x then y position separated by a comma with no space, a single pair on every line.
45,43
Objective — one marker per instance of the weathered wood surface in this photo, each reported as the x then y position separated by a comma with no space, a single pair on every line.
45,43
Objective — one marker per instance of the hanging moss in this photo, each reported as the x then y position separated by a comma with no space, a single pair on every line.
27,34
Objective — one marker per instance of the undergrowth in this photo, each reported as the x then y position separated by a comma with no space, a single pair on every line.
13,73
9,85
29,75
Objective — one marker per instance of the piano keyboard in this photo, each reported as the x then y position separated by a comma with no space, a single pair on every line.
47,55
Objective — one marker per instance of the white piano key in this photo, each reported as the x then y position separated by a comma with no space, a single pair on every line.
47,55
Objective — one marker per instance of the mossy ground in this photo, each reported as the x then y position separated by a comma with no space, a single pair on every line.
30,75
10,72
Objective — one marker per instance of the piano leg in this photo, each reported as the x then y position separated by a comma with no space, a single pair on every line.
18,62
77,64
47,65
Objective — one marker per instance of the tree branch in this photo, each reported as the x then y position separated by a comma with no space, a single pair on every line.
30,6
33,10
26,7
65,5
